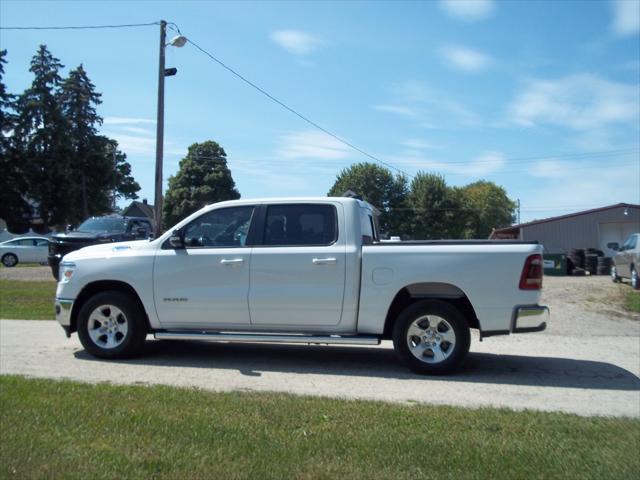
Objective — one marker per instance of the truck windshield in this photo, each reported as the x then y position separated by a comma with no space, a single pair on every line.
115,225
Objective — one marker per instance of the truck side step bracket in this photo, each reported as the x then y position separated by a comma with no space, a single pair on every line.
270,338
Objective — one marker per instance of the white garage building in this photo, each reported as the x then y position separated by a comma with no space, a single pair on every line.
588,229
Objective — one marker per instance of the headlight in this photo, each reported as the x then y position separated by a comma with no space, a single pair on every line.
66,271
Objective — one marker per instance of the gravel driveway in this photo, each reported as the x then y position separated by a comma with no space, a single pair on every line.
587,362
39,273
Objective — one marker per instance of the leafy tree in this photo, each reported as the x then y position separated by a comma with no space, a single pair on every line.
490,207
41,141
436,209
378,186
14,208
203,178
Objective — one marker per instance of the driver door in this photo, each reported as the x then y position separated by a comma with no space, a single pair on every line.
206,284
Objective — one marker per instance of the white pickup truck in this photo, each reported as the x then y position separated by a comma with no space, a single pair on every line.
308,270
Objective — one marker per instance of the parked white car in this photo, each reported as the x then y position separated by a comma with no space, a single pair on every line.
24,250
300,271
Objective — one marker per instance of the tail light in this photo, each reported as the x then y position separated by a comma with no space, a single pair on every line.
531,278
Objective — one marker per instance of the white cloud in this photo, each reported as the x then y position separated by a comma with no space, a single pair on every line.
580,102
312,144
466,59
138,130
134,145
418,144
483,164
126,121
395,109
626,17
296,41
468,10
586,187
439,108
551,168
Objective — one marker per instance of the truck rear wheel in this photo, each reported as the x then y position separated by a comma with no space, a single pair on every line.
111,325
431,337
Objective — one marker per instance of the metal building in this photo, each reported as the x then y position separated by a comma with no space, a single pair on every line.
588,229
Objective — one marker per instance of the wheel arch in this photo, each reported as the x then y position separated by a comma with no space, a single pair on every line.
93,288
416,292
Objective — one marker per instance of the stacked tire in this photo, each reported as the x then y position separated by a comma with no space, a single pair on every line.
577,256
604,266
591,263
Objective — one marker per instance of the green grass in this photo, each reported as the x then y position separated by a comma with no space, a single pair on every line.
70,430
632,301
27,300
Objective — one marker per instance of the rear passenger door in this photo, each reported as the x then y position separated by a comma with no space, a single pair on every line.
297,276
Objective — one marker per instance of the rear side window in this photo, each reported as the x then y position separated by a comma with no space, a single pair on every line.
300,225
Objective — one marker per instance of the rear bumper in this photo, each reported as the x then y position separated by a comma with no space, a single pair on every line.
530,319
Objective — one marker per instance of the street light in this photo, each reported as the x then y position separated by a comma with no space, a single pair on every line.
177,41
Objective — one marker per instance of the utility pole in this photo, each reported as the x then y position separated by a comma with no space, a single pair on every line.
160,132
115,178
518,211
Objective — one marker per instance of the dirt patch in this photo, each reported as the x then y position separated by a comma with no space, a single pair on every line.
37,274
587,306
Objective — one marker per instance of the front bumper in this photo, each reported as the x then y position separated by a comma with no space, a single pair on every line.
63,313
54,262
530,319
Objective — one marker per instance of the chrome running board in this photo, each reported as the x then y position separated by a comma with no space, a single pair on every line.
270,338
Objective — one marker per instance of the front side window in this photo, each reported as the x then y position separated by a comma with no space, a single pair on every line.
226,227
627,244
300,225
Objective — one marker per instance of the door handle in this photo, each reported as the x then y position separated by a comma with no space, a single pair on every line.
231,261
324,261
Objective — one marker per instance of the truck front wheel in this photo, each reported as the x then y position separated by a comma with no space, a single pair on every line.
431,337
111,325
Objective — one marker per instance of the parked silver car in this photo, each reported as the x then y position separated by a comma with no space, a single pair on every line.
24,250
626,261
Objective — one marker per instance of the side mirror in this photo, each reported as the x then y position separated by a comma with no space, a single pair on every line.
176,240
613,246
69,228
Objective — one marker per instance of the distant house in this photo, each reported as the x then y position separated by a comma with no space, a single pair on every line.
140,209
587,229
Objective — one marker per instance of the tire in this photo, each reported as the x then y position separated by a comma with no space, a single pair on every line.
635,281
9,260
427,349
112,325
614,274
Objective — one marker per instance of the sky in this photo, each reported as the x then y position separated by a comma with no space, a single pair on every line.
540,97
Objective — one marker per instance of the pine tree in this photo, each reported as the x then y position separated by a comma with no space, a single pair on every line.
78,100
14,208
203,178
41,141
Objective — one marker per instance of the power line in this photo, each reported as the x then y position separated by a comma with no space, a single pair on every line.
83,27
295,112
443,165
